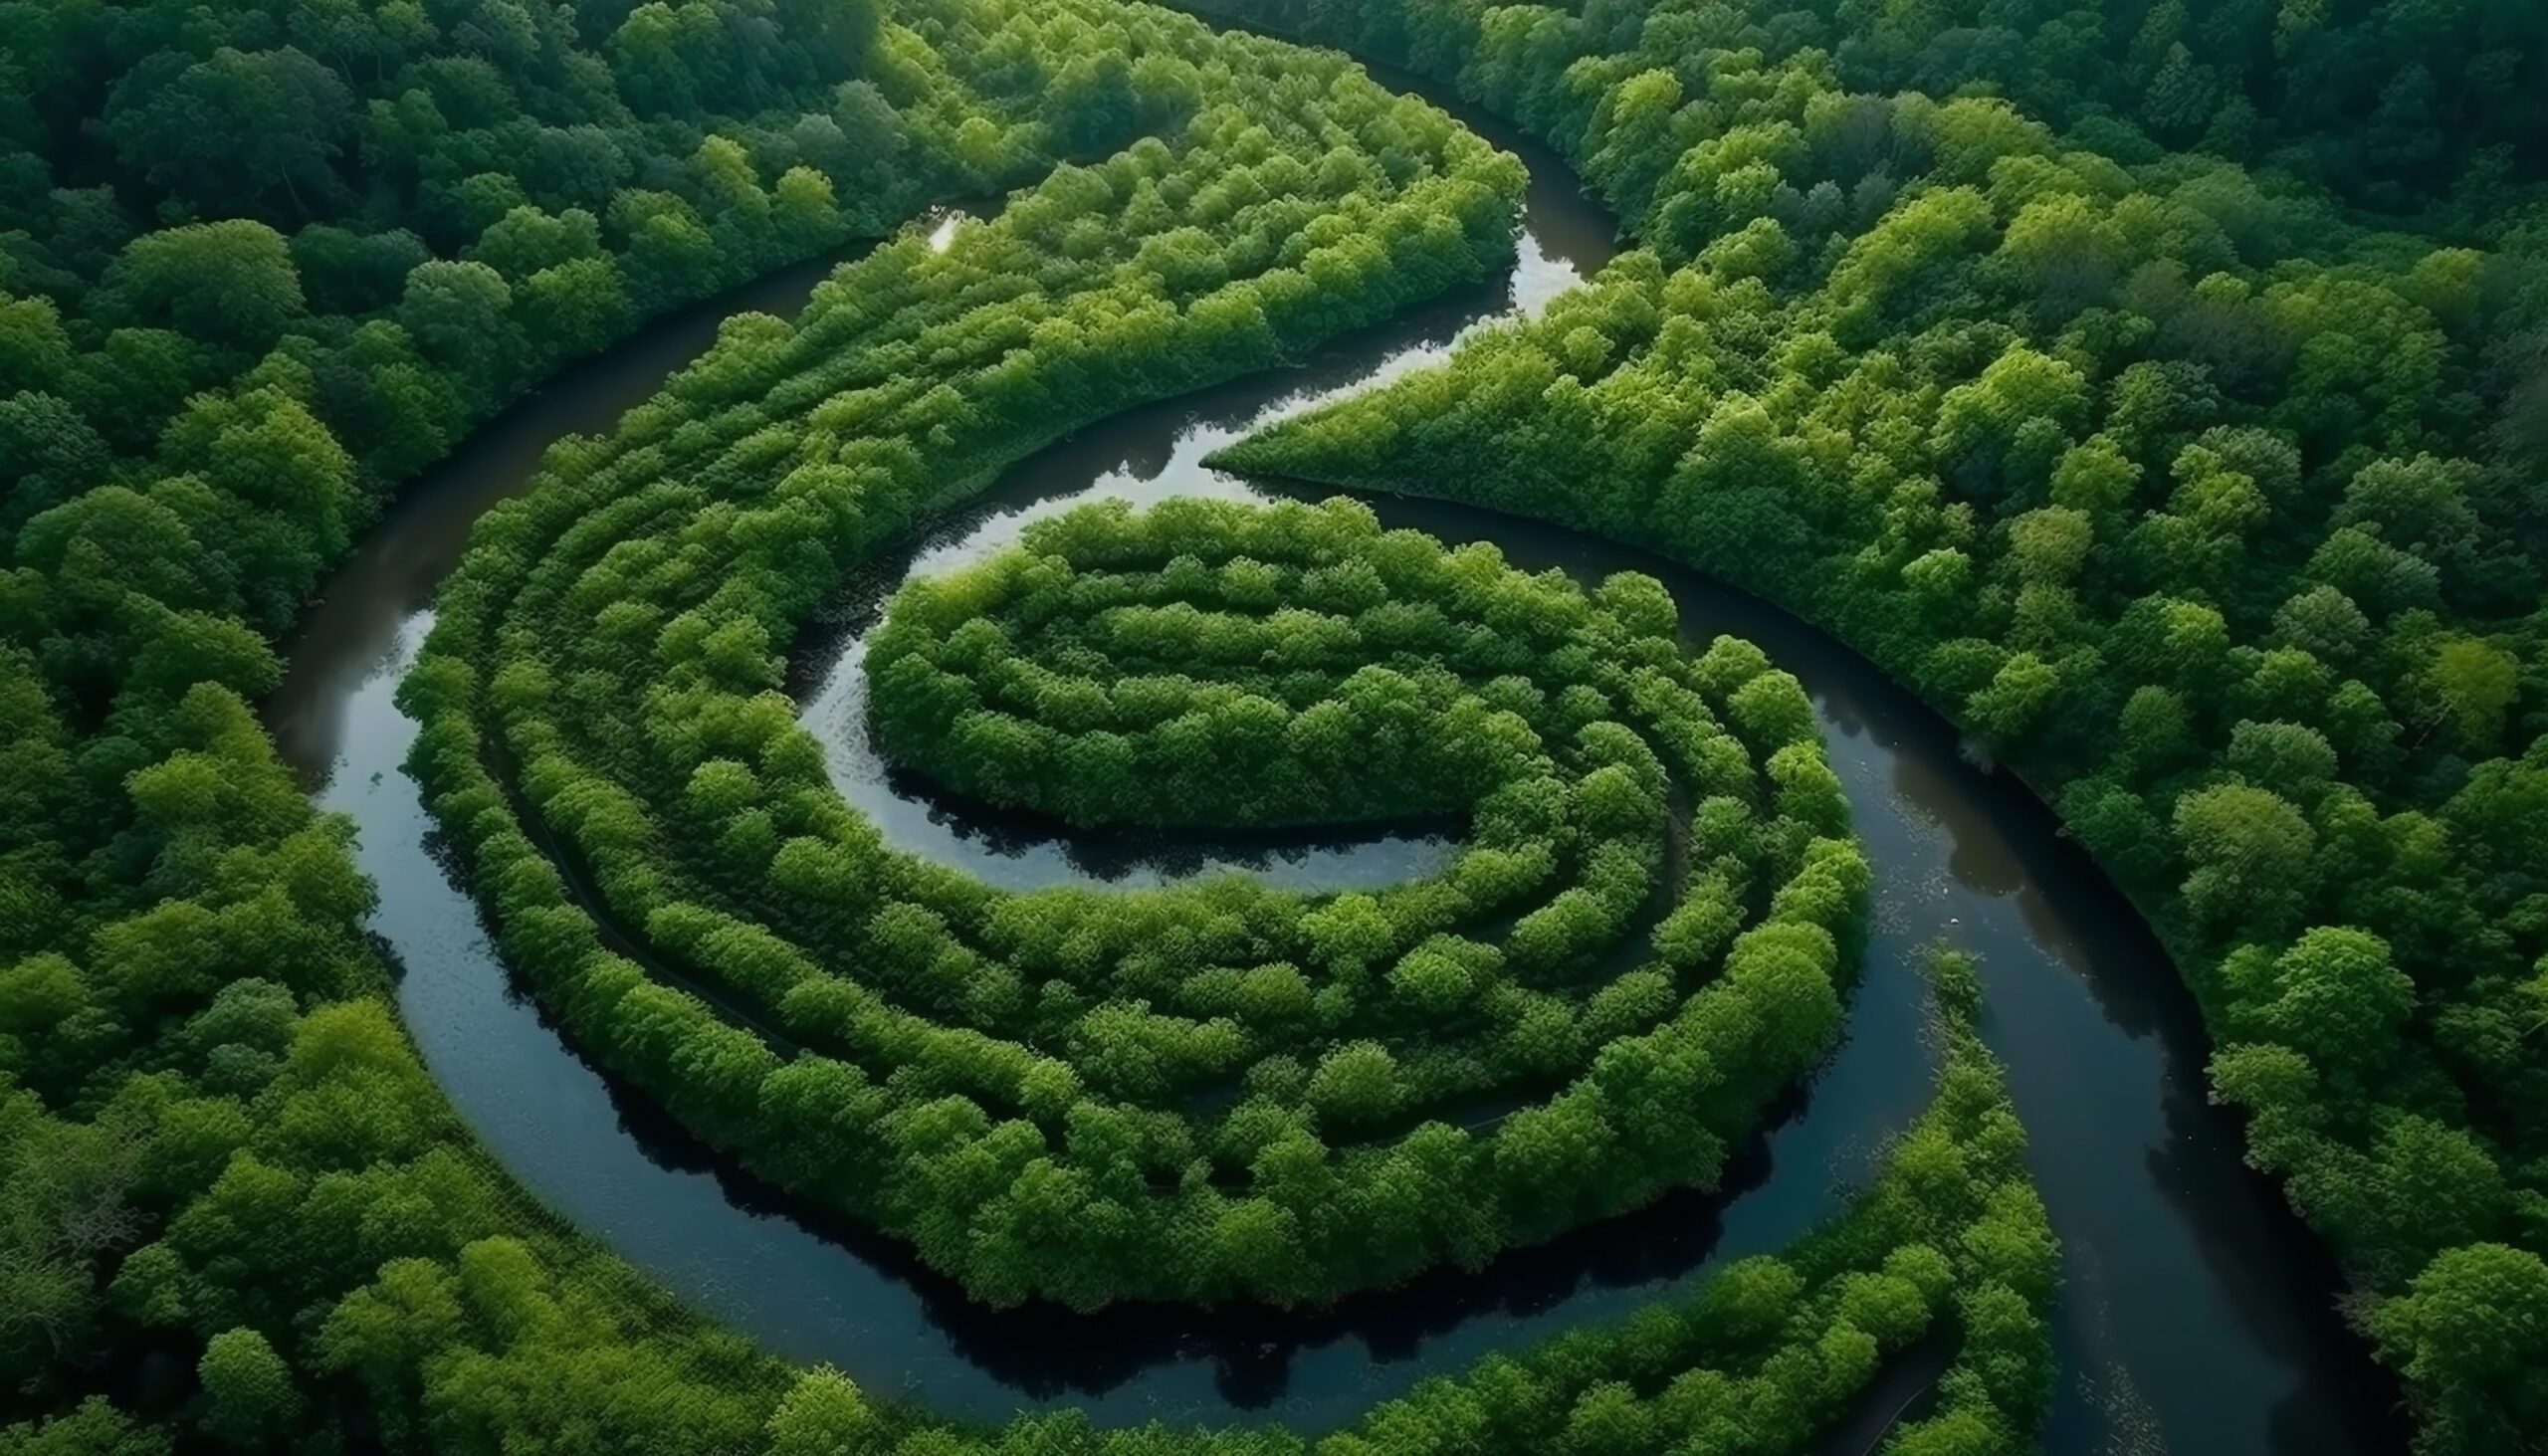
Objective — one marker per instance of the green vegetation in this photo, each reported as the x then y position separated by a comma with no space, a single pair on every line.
861,1036
375,227
491,1345
1016,1083
1947,1244
303,253
2158,387
2210,504
256,265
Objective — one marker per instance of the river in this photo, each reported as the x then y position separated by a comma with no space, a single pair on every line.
2198,1315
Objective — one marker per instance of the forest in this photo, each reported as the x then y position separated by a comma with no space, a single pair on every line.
2182,479
2158,391
876,1030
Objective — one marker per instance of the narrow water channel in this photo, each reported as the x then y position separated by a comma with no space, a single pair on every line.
2197,1317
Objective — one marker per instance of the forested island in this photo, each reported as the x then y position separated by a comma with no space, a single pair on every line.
2158,391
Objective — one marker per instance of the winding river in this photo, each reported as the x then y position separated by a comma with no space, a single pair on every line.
2198,1315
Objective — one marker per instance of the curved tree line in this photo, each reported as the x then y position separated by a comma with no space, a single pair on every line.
305,247
869,1029
2206,500
1222,1092
258,265
225,1170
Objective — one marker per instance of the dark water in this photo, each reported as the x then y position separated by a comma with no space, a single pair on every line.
2197,1315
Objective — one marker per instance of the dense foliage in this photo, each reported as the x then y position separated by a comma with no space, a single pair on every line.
2404,105
2157,386
1193,1094
847,1021
2212,506
1258,665
490,1348
256,264
1947,1246
303,249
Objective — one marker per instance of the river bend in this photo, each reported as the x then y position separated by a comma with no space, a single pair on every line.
2197,1317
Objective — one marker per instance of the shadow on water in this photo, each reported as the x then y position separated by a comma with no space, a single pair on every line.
2197,1315
353,627
1044,1355
1904,1391
2198,1312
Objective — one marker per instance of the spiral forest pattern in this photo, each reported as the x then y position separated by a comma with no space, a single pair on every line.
1917,368
867,1033
1361,1022
1208,1093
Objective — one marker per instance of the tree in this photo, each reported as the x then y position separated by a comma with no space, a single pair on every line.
671,255
384,1332
2051,544
2294,762
2333,994
2323,622
803,212
461,315
525,240
2430,1187
2181,97
94,1428
49,452
1982,433
2249,854
264,451
2420,506
2471,1334
251,1399
2018,697
1630,138
230,284
237,127
2475,683
656,49
824,1414
874,137
131,384
1357,1084
113,540
34,352
575,307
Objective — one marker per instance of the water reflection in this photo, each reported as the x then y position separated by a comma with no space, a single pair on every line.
1022,851
2195,1319
2198,1312
352,631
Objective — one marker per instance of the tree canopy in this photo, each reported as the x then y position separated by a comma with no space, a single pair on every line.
2156,387
2161,420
